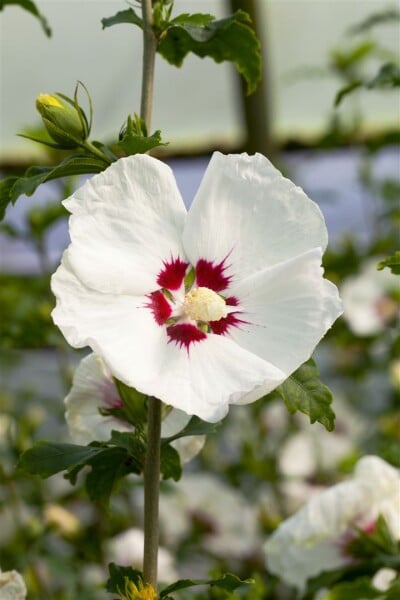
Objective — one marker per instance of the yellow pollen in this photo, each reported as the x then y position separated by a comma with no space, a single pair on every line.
203,304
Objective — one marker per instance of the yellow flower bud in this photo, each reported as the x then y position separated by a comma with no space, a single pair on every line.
66,124
139,592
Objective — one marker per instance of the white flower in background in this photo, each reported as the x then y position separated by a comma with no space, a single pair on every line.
126,550
62,519
12,586
314,539
93,389
202,309
229,522
383,578
368,300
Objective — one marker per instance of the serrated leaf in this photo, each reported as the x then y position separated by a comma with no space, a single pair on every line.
227,582
135,140
305,392
123,16
118,574
170,463
47,458
231,39
6,186
77,164
388,76
392,262
195,427
31,7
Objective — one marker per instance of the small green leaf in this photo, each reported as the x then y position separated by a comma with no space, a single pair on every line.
305,392
76,164
170,466
342,93
392,262
109,466
227,582
123,16
388,76
6,185
134,138
118,575
231,39
47,458
195,427
32,8
360,588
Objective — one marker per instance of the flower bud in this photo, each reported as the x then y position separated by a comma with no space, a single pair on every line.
65,123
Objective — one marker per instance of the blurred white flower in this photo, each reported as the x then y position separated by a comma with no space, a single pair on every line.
12,586
367,299
383,578
314,539
93,389
229,522
62,519
126,550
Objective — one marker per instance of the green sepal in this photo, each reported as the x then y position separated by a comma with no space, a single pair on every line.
134,138
392,262
118,576
31,7
227,582
135,404
304,391
123,16
231,39
194,427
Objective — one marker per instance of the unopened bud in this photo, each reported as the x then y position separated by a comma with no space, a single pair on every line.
66,124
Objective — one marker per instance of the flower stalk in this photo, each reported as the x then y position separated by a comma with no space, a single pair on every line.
149,57
151,492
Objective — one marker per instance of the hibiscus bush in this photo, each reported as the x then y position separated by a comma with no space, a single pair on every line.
183,413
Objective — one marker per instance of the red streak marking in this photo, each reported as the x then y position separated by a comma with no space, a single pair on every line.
223,325
173,274
159,306
184,334
212,275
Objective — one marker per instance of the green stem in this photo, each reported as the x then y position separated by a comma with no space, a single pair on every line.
149,58
151,492
93,150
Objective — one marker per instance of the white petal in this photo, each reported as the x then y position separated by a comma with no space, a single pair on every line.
214,373
116,327
125,222
92,389
247,211
290,307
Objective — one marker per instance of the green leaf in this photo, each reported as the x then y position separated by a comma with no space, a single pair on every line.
360,588
47,458
195,427
123,16
134,138
392,262
118,575
305,392
108,467
30,7
170,466
390,15
231,39
227,582
6,185
345,91
387,76
76,164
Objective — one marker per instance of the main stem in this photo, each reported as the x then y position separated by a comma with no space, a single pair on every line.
151,492
149,58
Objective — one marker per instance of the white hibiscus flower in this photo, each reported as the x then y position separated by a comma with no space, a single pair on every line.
94,390
370,299
315,538
203,309
12,586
